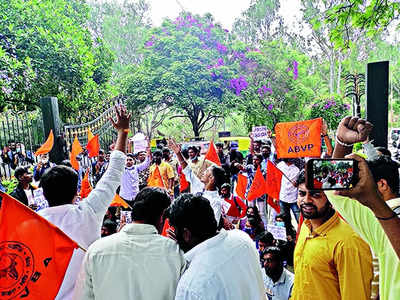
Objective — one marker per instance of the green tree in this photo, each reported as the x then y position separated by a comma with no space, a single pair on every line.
51,38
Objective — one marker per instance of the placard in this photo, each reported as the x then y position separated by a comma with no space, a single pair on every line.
128,216
139,142
39,199
260,132
278,232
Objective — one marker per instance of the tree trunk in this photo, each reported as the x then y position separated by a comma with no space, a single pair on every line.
331,73
339,75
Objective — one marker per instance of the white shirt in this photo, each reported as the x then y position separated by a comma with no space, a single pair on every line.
130,180
280,290
196,186
288,192
82,222
224,267
136,263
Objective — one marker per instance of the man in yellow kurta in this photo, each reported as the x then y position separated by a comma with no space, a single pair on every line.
330,260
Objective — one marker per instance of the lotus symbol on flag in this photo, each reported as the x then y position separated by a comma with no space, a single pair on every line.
298,133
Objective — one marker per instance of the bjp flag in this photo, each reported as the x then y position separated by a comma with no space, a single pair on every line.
118,201
257,188
47,146
212,154
34,254
76,149
183,183
86,187
93,146
241,186
155,179
299,139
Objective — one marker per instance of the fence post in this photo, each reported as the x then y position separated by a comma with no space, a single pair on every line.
51,120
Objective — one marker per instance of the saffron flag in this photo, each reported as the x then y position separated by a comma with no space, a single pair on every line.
274,180
90,135
241,186
274,203
212,154
76,149
155,179
165,228
93,146
257,188
34,254
47,146
299,139
183,183
118,201
86,187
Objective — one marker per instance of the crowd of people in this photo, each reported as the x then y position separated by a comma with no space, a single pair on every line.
204,241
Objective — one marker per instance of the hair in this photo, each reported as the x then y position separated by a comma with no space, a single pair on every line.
150,204
385,168
11,141
219,176
185,153
302,178
258,156
275,251
165,149
219,144
226,185
266,146
66,162
384,151
60,185
266,237
110,225
194,149
157,153
20,171
130,155
194,213
101,151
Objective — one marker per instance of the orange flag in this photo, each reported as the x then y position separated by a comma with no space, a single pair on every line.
299,139
47,146
165,227
86,187
257,188
76,149
155,179
183,183
93,146
34,254
212,154
274,203
90,135
241,186
273,182
118,201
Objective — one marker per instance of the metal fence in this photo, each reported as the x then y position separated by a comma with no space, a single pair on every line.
25,131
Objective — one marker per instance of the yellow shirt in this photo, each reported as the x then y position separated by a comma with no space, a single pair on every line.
166,171
332,262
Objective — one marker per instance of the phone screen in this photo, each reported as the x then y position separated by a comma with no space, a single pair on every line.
331,174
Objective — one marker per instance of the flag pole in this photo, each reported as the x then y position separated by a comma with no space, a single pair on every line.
283,174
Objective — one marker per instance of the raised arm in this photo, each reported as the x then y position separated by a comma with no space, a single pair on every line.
174,146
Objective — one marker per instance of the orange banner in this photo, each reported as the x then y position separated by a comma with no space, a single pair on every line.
299,139
86,187
34,254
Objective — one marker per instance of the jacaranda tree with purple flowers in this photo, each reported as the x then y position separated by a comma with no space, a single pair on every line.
332,109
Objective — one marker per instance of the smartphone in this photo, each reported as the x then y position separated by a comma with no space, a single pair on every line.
331,174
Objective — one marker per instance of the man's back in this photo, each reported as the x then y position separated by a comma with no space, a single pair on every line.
223,267
136,263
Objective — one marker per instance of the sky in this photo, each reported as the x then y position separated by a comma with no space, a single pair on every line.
224,11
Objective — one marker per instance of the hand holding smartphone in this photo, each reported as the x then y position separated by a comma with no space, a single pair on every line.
331,174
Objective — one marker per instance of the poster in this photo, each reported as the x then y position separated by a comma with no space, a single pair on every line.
278,232
260,132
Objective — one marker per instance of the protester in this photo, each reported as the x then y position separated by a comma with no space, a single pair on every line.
197,162
208,185
265,240
222,265
82,222
130,178
24,189
12,155
166,171
370,215
330,260
237,209
173,162
144,174
288,192
136,263
252,224
109,227
278,281
99,167
224,160
42,165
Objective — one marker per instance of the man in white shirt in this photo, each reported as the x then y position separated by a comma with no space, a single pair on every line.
208,185
136,263
222,265
82,222
288,193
